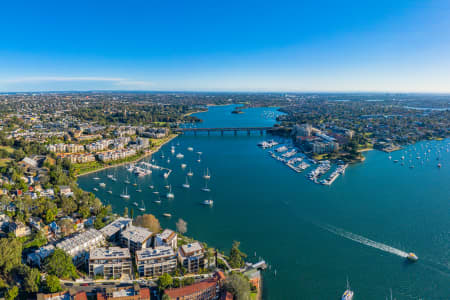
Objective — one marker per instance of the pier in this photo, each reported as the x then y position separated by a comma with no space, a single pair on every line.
222,130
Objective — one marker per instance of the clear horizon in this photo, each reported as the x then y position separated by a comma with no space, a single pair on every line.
237,46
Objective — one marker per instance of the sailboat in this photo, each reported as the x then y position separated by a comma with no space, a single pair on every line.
127,181
183,166
190,173
162,154
207,174
166,175
142,208
109,192
151,187
158,201
170,195
348,294
138,189
135,183
96,178
125,194
186,185
156,191
205,188
199,160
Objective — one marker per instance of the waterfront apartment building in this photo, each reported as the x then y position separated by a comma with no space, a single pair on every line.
321,147
155,262
78,246
110,263
136,238
167,238
112,230
192,257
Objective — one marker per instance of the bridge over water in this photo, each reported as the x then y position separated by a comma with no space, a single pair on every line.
223,129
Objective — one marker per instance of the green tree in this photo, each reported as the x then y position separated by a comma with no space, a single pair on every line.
236,256
12,293
164,281
10,254
60,264
239,286
52,284
32,280
125,212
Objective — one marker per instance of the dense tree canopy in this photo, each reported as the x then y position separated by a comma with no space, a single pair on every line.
60,264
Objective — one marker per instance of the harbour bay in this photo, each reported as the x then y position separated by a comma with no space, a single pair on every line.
313,236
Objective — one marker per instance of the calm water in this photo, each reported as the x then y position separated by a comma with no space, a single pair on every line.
313,236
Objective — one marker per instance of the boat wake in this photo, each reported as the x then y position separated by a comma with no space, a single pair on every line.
363,240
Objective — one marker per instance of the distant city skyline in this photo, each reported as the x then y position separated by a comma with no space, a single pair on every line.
233,46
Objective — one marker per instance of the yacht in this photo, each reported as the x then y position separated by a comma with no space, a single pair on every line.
127,181
167,215
183,166
135,183
151,187
348,294
170,195
172,149
156,192
179,155
125,194
168,161
207,174
205,188
110,176
190,173
138,190
439,165
412,257
102,184
190,149
162,154
95,189
109,192
96,178
199,153
208,202
135,204
186,185
166,174
157,201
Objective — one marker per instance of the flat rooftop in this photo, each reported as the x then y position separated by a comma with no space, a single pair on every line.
191,248
109,253
115,226
137,234
153,253
167,234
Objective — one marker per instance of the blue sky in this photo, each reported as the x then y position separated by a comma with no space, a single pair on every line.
386,46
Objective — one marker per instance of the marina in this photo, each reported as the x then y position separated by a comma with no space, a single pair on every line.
247,180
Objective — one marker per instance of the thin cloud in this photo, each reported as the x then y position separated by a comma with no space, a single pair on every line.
60,78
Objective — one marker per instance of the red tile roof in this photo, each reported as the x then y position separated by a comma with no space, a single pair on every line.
80,296
145,293
191,289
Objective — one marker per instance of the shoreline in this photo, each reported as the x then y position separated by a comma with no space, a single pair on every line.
149,153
